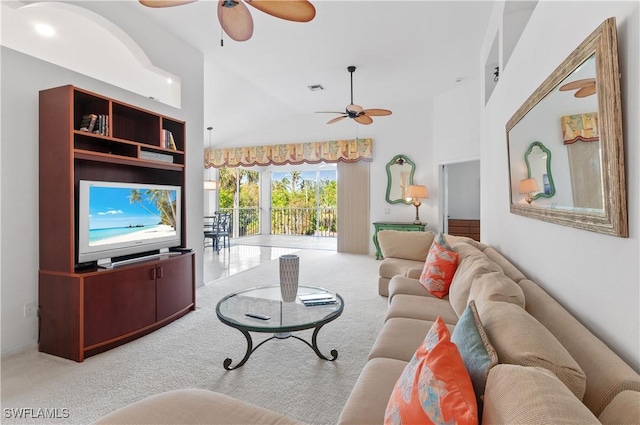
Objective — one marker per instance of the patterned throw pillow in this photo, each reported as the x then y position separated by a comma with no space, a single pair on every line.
434,387
439,267
478,354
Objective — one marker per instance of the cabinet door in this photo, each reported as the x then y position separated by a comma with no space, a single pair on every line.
118,302
174,285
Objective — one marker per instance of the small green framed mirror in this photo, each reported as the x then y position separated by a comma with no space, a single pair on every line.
399,176
538,159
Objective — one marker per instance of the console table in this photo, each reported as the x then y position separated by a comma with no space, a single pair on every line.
405,227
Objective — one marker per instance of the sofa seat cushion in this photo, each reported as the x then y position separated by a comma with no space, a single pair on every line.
495,286
422,308
531,395
407,245
472,263
407,286
520,339
193,406
369,397
624,409
390,267
400,337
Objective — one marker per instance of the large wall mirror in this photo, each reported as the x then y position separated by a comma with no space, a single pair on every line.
399,176
575,118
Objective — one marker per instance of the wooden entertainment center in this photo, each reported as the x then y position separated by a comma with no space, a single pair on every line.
83,309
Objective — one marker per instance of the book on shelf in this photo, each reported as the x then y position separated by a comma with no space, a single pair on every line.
168,142
88,122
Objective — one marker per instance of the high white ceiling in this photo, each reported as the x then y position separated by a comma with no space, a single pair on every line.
404,51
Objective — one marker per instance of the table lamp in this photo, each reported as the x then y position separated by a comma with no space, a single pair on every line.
528,186
416,193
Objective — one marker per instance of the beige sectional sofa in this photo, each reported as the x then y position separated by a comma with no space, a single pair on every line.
551,368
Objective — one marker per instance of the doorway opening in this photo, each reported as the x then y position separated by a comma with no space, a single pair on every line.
460,203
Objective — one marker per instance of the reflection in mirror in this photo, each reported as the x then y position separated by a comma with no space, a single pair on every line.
399,176
538,160
575,114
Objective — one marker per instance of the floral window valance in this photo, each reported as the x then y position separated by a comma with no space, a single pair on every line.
292,153
582,127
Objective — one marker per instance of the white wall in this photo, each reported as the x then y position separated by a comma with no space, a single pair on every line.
596,277
22,78
456,137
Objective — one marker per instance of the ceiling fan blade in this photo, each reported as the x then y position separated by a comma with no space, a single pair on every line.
578,84
377,112
235,19
331,112
364,119
586,91
290,10
165,3
336,119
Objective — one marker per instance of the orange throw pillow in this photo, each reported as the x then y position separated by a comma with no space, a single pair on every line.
434,387
439,268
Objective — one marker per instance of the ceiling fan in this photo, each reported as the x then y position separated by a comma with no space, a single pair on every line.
356,112
235,18
586,87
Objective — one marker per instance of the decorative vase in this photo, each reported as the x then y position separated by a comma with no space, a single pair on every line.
289,270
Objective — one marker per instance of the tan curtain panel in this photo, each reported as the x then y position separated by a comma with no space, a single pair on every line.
292,153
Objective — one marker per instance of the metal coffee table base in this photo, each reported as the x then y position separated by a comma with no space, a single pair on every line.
281,335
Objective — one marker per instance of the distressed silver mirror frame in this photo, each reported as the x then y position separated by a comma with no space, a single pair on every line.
613,219
400,172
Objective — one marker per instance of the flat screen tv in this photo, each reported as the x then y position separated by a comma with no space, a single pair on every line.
124,219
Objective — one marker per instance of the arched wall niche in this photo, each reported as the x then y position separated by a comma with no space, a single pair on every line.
87,43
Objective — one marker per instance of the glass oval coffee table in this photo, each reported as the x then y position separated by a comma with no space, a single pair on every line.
239,310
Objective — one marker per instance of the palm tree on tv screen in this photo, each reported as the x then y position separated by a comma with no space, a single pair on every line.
162,201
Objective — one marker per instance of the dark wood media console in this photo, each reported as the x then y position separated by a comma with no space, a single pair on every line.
85,311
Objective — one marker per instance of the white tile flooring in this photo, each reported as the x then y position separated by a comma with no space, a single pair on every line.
249,251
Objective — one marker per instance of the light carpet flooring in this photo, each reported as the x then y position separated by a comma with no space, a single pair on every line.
282,375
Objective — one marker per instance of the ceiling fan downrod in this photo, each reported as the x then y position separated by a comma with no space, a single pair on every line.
352,109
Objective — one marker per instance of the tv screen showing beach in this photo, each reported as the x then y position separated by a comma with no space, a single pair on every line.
118,214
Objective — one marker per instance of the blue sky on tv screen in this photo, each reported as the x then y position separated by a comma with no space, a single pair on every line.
110,207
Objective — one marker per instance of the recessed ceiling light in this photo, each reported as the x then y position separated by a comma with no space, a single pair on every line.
45,30
169,80
316,87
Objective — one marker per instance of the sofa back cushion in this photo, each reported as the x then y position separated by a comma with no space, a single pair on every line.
495,286
521,340
471,263
607,373
624,409
531,395
408,245
508,268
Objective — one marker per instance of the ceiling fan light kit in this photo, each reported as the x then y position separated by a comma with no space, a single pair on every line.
235,18
357,112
